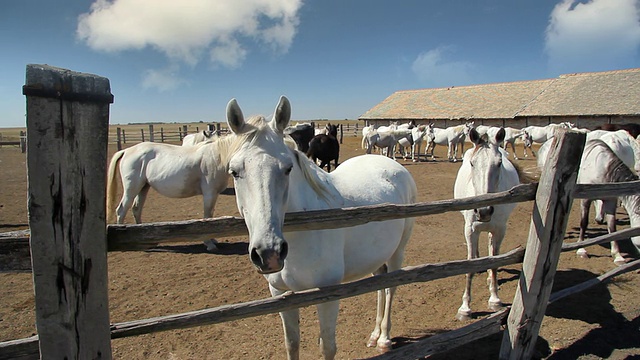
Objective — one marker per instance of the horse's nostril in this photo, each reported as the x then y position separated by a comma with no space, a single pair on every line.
255,258
490,210
284,251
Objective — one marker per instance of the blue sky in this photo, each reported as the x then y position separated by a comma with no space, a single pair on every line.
182,61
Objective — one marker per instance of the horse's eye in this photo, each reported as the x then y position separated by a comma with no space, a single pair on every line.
288,171
234,174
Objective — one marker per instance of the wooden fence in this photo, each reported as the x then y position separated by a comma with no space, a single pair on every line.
21,141
121,137
69,241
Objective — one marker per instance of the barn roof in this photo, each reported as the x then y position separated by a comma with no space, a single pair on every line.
604,93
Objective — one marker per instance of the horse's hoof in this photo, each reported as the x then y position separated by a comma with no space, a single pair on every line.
463,316
620,261
211,244
384,347
582,253
496,306
373,341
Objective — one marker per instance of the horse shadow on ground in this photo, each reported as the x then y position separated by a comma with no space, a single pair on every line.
223,248
593,306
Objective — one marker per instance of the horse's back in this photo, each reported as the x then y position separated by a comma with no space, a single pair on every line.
374,179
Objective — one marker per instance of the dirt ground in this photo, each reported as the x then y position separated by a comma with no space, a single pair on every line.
602,322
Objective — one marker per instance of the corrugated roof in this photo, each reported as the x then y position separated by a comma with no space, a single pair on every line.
604,93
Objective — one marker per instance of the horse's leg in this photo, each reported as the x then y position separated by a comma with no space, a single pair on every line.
209,199
513,147
291,325
495,239
375,334
599,210
138,203
328,317
585,204
129,193
464,312
609,208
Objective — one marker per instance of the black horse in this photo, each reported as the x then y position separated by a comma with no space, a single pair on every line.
325,147
301,134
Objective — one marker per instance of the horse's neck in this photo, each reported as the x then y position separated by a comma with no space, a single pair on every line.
310,187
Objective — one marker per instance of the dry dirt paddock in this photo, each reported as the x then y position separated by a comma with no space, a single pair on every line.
602,322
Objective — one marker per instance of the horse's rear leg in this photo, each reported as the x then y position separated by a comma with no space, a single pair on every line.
138,203
585,204
380,312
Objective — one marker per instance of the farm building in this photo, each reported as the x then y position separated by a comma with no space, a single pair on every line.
586,99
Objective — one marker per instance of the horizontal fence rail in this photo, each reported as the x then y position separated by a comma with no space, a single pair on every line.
14,246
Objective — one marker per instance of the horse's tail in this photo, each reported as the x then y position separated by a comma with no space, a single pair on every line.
112,185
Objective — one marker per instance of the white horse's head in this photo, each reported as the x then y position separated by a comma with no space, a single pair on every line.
260,168
486,166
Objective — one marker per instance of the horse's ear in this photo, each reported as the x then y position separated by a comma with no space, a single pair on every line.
282,115
474,136
500,135
235,119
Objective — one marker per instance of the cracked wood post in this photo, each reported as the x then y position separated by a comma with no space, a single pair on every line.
67,130
551,210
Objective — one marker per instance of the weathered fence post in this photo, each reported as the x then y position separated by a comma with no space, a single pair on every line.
124,137
23,141
67,129
119,135
142,134
180,134
162,134
548,224
151,137
185,130
341,133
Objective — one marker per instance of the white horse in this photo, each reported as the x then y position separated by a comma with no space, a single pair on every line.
386,140
540,134
600,164
485,169
450,137
272,179
173,171
418,134
199,137
365,132
510,137
623,145
597,156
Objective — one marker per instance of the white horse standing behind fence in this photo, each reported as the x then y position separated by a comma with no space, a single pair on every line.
272,179
173,171
485,169
607,157
198,137
450,137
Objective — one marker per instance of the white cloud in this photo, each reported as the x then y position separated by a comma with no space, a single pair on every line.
588,36
432,69
163,79
185,30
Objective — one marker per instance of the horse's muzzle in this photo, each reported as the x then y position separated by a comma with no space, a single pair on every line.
269,260
483,214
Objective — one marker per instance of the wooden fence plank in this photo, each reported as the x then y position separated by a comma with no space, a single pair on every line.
67,129
290,300
548,224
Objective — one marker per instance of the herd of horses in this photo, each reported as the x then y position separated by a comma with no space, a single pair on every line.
275,171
